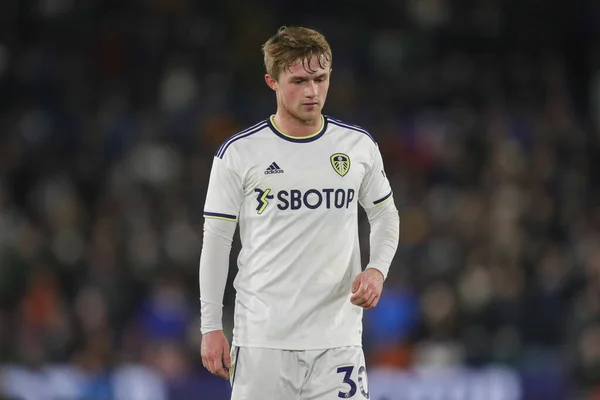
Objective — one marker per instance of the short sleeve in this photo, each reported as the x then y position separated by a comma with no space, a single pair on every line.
375,188
225,192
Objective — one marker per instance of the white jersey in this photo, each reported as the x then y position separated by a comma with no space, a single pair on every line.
295,200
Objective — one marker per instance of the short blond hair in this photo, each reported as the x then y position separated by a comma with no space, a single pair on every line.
290,44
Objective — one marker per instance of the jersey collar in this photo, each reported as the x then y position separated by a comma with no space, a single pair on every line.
303,139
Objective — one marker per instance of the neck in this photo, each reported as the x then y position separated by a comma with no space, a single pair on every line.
295,127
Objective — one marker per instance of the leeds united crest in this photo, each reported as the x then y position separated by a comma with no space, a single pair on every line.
340,163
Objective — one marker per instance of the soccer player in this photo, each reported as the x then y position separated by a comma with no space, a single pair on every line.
293,182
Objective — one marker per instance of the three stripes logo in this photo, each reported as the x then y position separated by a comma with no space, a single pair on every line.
273,169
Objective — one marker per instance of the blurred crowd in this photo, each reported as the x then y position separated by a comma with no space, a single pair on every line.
486,112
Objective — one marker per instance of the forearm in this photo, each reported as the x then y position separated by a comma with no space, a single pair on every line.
385,232
214,266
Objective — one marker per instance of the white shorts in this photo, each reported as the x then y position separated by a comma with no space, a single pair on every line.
270,374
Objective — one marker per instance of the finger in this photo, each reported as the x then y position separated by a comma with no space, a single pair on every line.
219,369
375,302
215,358
223,373
362,288
216,366
204,356
209,366
361,299
356,283
206,361
372,301
360,293
364,302
226,356
360,302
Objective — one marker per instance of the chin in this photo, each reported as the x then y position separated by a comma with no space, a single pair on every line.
309,115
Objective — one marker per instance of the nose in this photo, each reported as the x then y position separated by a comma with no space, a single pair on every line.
311,90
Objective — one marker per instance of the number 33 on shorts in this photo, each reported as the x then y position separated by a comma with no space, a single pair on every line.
353,385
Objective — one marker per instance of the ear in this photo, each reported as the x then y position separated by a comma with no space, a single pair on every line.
272,83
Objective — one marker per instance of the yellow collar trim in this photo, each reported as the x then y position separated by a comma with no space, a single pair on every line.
298,137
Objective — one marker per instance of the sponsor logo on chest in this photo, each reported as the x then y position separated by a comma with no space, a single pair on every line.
309,199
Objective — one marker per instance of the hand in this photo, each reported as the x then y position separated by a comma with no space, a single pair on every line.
366,288
215,353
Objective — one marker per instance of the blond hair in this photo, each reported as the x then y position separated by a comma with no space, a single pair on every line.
291,44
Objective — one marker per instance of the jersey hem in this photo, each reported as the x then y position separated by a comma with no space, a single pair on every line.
297,346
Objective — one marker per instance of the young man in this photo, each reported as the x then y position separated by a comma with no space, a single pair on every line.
293,183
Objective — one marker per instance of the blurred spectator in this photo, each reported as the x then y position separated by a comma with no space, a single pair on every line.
166,313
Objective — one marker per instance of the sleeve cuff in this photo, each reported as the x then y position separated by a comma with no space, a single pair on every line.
226,217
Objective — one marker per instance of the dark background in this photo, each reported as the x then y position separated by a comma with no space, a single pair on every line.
487,115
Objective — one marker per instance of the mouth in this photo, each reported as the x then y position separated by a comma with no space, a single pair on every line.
310,104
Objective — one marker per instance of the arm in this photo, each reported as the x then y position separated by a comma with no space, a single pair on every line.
385,232
377,199
214,266
223,201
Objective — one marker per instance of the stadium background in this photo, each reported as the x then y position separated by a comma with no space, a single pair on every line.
488,117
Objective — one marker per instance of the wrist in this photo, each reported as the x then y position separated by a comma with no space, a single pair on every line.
206,330
371,267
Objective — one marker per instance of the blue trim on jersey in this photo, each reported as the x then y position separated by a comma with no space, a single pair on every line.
245,133
219,215
300,139
360,128
352,127
384,198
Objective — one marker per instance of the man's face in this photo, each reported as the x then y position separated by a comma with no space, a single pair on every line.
300,92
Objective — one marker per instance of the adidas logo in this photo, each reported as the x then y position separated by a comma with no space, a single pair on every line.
273,169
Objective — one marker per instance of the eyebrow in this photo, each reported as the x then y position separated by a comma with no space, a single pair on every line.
304,78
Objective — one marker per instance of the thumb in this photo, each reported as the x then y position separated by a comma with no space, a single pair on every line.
356,283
